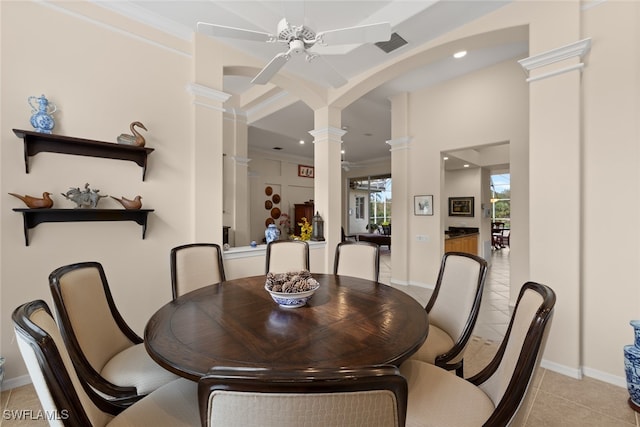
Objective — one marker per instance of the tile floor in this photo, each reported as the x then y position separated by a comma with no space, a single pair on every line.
557,400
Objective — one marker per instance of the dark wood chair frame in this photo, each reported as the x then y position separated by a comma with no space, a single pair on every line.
55,373
443,360
339,380
527,361
174,271
336,261
125,395
277,242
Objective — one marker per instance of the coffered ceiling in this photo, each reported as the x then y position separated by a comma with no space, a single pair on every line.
367,121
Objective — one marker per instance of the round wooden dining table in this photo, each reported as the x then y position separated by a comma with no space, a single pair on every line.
348,322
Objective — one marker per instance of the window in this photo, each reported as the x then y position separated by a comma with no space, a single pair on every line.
359,207
501,199
371,198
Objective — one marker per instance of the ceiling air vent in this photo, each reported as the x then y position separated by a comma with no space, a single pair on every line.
394,42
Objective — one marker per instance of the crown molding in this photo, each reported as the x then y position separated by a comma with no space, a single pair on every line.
576,49
141,14
207,92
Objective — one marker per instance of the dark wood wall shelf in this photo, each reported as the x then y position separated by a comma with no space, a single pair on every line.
36,142
33,217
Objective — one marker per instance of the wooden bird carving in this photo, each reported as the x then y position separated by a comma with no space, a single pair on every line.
36,202
136,203
134,139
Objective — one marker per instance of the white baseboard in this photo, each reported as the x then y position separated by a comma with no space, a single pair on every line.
584,371
12,383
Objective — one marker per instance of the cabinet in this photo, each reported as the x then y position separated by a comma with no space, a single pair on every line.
302,210
37,142
466,244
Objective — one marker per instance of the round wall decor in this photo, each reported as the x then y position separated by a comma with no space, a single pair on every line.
268,204
268,190
268,221
276,198
275,213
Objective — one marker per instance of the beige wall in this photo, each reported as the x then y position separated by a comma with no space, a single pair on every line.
576,130
101,80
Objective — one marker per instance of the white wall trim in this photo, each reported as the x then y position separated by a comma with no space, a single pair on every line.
562,369
143,15
327,134
399,143
576,49
16,382
111,27
605,377
207,92
264,104
241,161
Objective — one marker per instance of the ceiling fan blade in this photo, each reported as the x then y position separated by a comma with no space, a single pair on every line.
234,33
328,72
356,35
271,68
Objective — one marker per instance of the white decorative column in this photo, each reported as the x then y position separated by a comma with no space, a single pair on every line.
236,176
401,209
402,214
327,138
555,158
207,161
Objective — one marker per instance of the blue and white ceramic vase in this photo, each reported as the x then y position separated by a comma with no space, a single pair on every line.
271,233
632,367
42,110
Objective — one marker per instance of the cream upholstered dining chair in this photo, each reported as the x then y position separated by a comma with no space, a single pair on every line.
372,396
498,394
287,255
195,265
453,310
67,401
106,352
357,259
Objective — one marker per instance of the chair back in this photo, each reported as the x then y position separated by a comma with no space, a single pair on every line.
455,302
357,259
92,328
373,396
195,265
59,389
507,378
287,255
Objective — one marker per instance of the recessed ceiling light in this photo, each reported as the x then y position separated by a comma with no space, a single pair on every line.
445,158
466,166
342,151
302,141
460,54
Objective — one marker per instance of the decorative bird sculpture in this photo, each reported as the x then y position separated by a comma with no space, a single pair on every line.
36,202
136,203
134,139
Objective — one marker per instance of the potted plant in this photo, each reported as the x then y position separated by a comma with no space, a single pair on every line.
372,227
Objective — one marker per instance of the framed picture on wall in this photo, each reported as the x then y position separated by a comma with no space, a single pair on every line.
305,171
423,205
461,206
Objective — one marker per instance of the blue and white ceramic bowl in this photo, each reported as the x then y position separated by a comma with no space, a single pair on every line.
292,300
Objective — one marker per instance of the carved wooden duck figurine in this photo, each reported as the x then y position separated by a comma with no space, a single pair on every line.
134,139
136,203
36,202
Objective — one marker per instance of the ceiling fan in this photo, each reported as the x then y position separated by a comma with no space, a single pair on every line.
299,39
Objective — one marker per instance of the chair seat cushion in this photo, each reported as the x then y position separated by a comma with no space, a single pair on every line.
438,342
439,398
134,367
174,404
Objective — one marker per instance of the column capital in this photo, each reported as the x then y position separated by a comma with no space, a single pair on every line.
213,97
241,161
572,50
328,133
402,143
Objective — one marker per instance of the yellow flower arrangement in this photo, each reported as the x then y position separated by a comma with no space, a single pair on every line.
305,230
